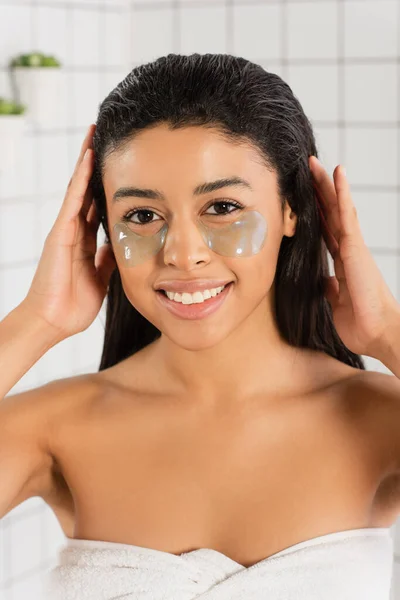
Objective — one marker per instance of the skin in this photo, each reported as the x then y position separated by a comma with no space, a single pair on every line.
196,357
216,432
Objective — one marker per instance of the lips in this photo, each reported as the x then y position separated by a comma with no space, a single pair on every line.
194,285
198,310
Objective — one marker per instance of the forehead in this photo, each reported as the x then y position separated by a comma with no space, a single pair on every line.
178,160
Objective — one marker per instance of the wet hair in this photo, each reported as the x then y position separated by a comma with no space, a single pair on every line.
243,103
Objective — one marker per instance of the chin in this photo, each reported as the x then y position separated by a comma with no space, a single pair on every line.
194,337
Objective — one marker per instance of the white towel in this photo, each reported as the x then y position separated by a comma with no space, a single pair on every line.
346,565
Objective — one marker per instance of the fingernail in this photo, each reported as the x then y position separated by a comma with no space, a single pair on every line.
344,171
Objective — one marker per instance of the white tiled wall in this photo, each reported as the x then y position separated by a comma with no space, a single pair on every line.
342,59
91,40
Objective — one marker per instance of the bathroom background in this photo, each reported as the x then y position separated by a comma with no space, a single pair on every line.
341,58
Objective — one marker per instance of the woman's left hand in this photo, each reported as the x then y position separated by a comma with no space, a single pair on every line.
364,309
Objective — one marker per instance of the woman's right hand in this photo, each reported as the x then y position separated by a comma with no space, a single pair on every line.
71,280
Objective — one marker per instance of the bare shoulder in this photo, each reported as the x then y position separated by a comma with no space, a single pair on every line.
363,405
371,400
350,382
372,392
43,397
39,409
373,385
28,421
57,405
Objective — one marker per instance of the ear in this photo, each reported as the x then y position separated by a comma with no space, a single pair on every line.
289,221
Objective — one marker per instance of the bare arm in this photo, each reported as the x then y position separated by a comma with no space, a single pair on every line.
25,463
25,460
65,296
24,339
389,354
31,442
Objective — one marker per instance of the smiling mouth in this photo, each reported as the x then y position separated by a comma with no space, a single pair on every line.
199,297
197,309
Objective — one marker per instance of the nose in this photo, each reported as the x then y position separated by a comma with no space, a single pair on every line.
184,246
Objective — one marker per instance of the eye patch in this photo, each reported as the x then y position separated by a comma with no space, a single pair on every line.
241,238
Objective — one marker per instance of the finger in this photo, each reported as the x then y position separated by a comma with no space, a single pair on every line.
327,196
105,264
354,251
87,201
88,198
332,290
92,217
329,239
78,190
350,225
87,143
337,284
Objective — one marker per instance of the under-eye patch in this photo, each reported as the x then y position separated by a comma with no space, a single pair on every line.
241,238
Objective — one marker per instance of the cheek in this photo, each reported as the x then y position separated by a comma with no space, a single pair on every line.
137,284
255,274
255,279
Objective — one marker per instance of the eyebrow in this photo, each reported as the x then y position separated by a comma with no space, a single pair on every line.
203,188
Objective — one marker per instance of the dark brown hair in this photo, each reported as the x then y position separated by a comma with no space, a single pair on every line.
244,103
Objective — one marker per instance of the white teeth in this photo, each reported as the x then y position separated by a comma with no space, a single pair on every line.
196,297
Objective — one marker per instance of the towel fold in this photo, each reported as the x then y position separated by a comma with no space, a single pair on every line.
347,565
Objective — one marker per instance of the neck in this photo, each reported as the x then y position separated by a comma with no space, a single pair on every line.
251,358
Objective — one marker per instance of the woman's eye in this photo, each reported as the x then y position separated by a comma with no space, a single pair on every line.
143,215
222,207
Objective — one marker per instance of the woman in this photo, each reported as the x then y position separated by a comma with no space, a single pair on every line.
232,444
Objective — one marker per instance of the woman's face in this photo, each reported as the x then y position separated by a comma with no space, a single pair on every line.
203,238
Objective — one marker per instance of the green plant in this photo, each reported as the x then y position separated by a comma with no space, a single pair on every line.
34,59
9,107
